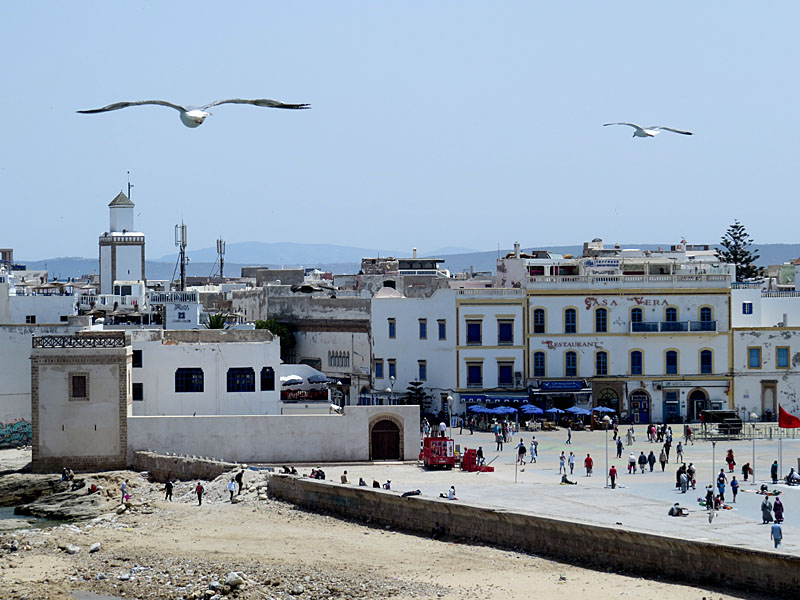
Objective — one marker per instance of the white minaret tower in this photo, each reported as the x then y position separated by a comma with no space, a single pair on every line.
121,248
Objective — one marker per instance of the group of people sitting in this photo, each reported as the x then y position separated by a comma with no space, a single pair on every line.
287,471
793,478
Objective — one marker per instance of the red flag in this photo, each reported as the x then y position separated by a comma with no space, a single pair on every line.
787,420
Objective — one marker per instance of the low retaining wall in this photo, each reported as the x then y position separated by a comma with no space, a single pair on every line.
183,468
645,553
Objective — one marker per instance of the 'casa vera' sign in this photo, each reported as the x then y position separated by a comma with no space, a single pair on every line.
592,301
551,345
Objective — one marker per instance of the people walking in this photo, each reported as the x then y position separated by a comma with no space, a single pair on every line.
612,475
776,534
231,487
199,490
746,470
499,439
239,480
642,462
766,511
479,456
569,435
730,460
125,495
662,458
571,461
690,471
534,449
521,450
778,508
168,490
632,463
734,487
667,446
721,481
620,447
562,464
679,452
684,482
651,460
773,472
687,435
588,463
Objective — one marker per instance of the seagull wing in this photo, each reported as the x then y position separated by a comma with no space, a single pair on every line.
266,102
118,105
634,125
672,130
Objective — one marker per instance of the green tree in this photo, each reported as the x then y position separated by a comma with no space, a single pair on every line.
736,251
282,330
217,321
416,395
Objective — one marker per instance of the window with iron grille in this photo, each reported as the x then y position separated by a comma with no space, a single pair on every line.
241,379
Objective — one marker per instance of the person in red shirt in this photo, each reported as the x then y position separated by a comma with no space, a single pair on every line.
588,462
612,475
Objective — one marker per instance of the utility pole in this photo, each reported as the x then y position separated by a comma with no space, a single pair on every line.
130,185
221,256
180,242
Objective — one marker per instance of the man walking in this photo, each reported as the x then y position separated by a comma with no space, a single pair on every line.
776,534
562,464
612,475
199,490
168,489
569,435
239,481
642,462
571,461
619,447
534,449
521,452
588,463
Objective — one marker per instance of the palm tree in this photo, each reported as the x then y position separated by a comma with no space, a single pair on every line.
217,321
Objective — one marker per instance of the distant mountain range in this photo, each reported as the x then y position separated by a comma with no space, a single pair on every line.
338,259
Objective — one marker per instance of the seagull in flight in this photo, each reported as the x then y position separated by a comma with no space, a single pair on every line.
652,131
193,116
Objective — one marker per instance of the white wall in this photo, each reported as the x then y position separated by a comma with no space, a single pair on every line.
162,357
106,276
15,367
307,438
46,309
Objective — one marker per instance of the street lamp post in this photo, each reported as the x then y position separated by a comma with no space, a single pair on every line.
606,421
390,390
449,416
713,463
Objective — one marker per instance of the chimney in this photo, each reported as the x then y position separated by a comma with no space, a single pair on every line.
516,249
414,253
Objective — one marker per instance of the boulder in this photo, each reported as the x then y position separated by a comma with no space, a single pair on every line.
72,549
234,579
20,488
94,547
66,505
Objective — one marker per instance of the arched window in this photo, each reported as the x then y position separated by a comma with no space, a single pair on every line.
637,360
538,320
241,379
705,313
571,364
706,362
671,362
636,315
538,364
267,379
601,363
601,320
570,321
188,380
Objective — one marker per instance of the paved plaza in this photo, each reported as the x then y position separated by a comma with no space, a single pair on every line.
640,502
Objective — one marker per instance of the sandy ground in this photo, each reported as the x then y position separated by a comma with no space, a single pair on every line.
180,543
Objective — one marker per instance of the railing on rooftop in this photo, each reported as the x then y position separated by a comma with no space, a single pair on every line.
493,292
673,326
168,297
780,294
79,341
716,280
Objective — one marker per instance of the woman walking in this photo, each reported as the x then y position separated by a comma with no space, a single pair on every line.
766,511
729,459
778,510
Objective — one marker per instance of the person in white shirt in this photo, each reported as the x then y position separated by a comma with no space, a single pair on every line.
231,487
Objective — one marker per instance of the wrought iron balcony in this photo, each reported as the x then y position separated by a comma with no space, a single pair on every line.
673,326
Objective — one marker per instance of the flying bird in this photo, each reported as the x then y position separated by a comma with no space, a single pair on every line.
193,116
652,131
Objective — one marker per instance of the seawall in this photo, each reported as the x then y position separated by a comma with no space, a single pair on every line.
643,553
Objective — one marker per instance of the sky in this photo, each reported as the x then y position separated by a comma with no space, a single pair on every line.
433,124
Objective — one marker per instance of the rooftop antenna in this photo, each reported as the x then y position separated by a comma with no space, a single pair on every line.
130,185
181,240
221,255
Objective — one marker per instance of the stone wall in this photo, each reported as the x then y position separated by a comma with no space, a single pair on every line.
185,468
587,545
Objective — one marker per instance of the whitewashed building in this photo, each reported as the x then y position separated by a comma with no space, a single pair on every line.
205,372
122,256
766,350
413,339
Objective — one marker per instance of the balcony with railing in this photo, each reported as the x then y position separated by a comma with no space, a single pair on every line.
492,292
629,281
673,327
170,297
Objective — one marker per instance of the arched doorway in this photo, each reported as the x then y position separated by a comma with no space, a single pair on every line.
609,399
639,402
385,440
698,402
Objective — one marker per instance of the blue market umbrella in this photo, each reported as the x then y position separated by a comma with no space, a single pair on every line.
506,410
555,411
531,409
577,410
476,408
603,409
319,379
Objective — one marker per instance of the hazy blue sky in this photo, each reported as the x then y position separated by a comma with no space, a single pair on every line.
433,123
